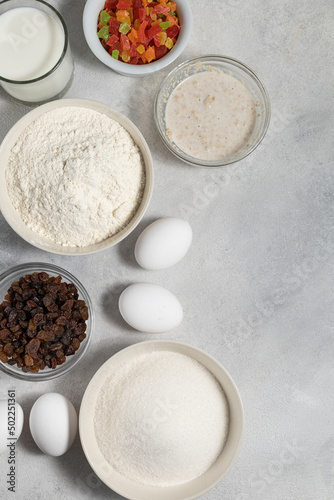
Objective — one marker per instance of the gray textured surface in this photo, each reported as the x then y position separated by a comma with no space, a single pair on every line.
257,285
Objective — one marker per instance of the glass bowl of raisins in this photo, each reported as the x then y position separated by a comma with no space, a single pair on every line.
46,320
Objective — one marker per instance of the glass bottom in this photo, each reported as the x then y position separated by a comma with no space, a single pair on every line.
60,95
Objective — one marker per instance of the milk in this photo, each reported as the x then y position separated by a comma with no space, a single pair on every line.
32,42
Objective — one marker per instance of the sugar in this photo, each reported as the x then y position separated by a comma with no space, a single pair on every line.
162,419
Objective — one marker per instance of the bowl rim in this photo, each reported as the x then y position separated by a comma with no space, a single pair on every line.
135,491
89,28
9,212
196,162
73,361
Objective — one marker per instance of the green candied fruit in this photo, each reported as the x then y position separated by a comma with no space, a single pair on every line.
115,54
124,28
165,25
104,33
104,17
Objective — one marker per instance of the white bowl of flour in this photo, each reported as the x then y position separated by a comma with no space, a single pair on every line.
76,177
161,420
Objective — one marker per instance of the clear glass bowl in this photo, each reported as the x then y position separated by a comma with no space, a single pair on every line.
233,68
13,274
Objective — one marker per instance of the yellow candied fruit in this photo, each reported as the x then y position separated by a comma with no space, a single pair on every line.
125,56
149,10
136,24
158,21
141,49
154,17
130,11
163,37
123,17
169,43
172,6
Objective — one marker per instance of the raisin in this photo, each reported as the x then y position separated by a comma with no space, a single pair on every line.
61,320
28,360
9,350
76,315
4,333
31,333
38,318
32,347
84,312
47,300
66,339
68,305
81,328
34,277
3,357
47,336
51,316
21,315
53,308
69,351
56,347
37,310
32,325
75,343
31,303
16,329
12,315
43,277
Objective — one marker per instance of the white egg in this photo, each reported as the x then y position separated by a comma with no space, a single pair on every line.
163,243
11,423
150,308
53,424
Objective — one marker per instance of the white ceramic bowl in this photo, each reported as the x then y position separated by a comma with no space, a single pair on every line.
12,216
130,489
90,16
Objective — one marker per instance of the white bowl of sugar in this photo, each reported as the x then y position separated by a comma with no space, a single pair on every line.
161,419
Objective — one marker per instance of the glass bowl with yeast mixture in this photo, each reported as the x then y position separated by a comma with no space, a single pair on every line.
212,111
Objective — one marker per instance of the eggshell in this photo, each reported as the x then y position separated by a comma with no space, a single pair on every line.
163,243
53,424
5,421
150,308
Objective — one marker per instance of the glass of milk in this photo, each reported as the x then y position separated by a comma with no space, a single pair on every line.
36,65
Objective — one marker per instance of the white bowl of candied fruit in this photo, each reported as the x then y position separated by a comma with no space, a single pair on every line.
137,37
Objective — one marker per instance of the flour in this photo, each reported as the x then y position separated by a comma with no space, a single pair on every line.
161,419
75,176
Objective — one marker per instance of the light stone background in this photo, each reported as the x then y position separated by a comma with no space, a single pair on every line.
257,285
